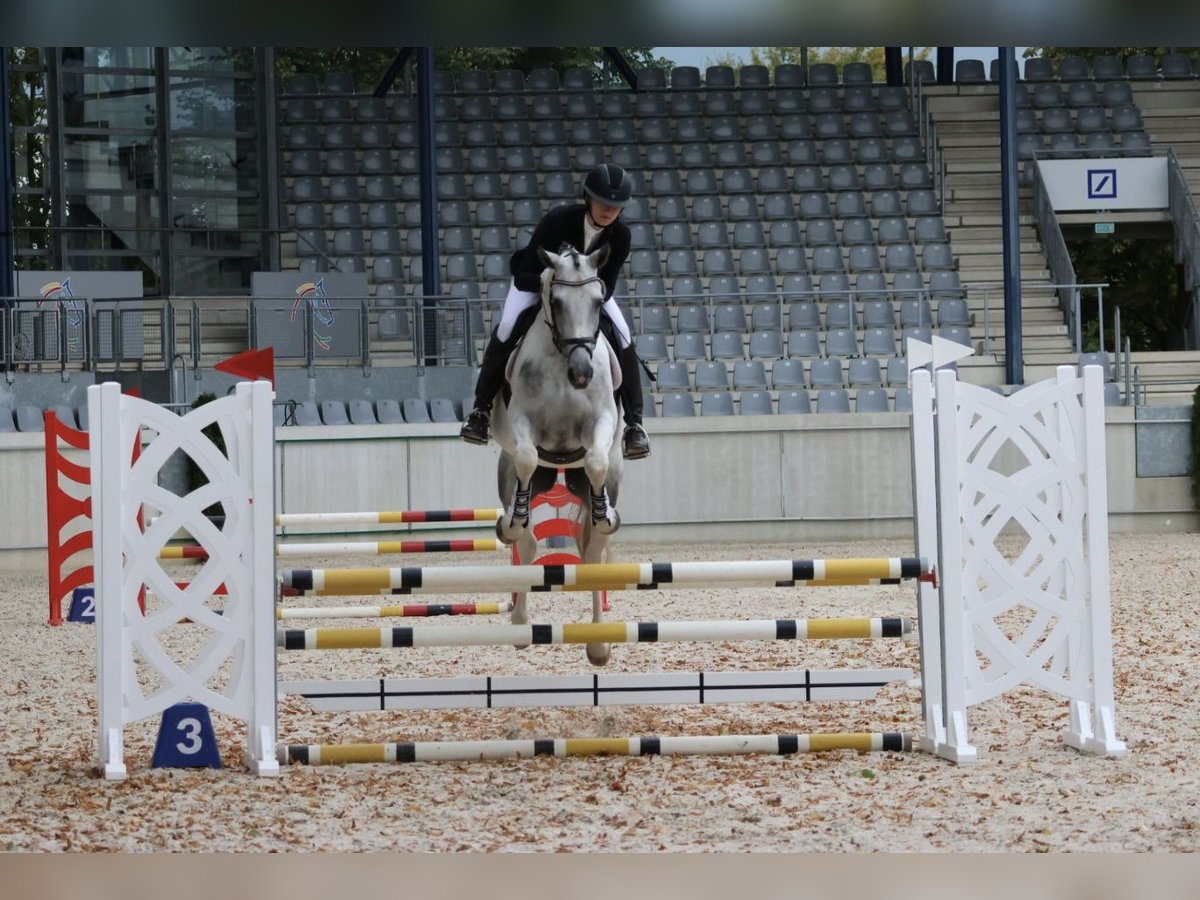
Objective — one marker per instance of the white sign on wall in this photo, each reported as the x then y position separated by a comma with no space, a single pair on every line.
1083,184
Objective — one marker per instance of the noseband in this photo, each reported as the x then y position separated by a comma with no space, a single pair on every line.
566,346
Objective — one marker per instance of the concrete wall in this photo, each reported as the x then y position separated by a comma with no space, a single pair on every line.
801,478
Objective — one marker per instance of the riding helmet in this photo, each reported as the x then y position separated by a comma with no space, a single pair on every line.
608,183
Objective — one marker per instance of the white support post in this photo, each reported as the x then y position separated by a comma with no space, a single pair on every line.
241,554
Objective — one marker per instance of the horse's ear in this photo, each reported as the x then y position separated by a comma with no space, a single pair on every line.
548,258
600,257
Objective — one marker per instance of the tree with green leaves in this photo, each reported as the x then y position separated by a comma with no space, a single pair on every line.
367,65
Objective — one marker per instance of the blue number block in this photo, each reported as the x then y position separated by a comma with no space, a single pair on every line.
186,739
83,606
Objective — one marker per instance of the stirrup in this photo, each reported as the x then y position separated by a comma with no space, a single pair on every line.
475,429
635,443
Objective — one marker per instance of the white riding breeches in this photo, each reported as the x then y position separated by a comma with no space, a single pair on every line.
518,301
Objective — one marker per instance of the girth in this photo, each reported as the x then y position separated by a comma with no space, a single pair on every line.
561,457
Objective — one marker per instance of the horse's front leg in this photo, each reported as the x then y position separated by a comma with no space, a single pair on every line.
515,521
604,516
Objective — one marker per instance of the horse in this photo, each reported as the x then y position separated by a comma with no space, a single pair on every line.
558,411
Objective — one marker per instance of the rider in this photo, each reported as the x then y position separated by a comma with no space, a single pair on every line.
606,189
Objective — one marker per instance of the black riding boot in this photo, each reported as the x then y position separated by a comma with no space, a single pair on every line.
491,376
635,443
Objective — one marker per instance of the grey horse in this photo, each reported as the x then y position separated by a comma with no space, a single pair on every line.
559,412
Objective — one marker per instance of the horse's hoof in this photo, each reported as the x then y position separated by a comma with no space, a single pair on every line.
598,654
609,525
510,532
520,646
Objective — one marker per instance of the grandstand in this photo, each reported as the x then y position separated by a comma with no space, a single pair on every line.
792,228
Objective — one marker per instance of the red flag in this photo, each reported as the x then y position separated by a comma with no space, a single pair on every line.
251,364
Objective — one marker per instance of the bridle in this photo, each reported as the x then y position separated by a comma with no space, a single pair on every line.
566,346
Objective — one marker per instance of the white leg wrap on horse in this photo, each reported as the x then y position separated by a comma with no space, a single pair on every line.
613,311
514,304
521,505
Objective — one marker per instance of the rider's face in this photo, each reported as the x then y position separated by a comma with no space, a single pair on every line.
603,214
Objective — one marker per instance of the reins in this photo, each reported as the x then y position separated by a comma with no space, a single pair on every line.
566,346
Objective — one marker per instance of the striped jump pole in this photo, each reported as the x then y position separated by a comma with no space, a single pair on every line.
709,745
608,689
407,610
347,548
592,632
402,517
606,576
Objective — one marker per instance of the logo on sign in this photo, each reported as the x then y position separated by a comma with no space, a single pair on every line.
1102,184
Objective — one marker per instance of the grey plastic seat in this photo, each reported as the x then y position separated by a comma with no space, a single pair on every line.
711,375
863,258
922,203
864,372
864,125
820,233
926,229
766,317
690,128
29,418
959,334
794,402
678,404
841,343
651,347
871,399
307,413
1135,143
897,371
755,403
655,319
672,376
789,261
333,412
1116,93
879,342
389,412
900,257
700,181
1096,359
764,345
1126,118
716,403
727,345
908,286
1100,143
826,259
970,71
936,256
953,311
746,233
915,312
829,125
1107,66
826,371
754,261
840,313
835,152
796,286
717,261
833,400
414,410
1056,121
689,345
686,290
803,343
857,230
945,284
787,372
1176,66
795,126
1141,66
807,179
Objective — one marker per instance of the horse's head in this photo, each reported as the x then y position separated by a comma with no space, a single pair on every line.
572,294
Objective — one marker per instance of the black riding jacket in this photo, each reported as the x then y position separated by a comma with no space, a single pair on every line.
565,225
